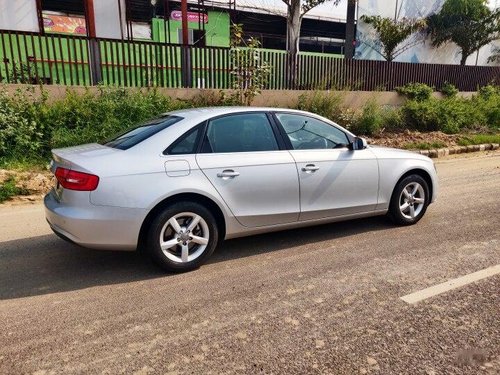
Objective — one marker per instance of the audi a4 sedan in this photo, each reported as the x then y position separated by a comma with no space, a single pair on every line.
181,183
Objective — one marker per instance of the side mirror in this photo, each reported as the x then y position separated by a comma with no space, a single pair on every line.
358,144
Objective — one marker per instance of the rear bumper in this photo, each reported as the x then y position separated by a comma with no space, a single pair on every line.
97,227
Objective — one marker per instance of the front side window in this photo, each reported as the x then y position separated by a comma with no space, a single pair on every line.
308,133
240,133
140,133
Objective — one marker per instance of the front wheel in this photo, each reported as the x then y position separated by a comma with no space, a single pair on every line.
409,200
182,237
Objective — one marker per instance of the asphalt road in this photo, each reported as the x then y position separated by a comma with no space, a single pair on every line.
315,300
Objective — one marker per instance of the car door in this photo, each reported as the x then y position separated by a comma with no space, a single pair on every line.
334,180
257,178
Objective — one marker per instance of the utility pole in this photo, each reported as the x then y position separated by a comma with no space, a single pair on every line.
186,51
185,30
349,30
94,51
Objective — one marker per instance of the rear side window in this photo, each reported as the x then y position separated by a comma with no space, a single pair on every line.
186,144
240,133
140,133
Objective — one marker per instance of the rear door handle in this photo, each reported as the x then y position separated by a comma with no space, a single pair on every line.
310,168
228,173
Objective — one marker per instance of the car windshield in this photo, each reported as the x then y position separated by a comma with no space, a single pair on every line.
139,133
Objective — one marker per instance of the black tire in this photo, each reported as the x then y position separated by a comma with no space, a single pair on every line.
154,249
396,200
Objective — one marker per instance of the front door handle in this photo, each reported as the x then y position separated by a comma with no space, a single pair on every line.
310,168
228,173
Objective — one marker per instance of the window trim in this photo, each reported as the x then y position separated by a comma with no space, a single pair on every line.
286,139
272,122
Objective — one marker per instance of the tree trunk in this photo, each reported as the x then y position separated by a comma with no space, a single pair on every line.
464,58
293,23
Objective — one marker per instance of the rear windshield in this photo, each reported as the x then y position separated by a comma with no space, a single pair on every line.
137,134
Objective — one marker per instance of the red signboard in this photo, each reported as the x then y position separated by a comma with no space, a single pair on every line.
176,15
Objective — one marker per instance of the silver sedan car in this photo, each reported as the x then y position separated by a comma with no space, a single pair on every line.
179,184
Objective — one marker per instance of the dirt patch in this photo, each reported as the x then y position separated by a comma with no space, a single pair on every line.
37,184
401,140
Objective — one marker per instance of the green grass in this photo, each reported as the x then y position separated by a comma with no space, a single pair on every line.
478,139
424,145
8,189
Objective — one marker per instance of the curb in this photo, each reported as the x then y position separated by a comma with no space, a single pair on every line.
440,152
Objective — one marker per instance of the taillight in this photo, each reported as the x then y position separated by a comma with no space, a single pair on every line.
74,180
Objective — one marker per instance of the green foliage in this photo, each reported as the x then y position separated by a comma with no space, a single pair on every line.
449,90
424,145
489,91
470,24
370,120
323,103
392,33
75,117
392,119
9,189
452,115
20,130
495,57
415,91
30,127
250,73
209,98
478,139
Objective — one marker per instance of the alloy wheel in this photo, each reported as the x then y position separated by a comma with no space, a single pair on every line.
412,200
184,237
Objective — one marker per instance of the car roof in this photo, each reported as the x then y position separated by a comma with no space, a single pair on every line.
208,112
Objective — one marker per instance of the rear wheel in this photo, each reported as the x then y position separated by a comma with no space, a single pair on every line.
409,200
182,237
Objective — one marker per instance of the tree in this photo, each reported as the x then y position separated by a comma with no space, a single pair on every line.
392,34
250,73
496,55
470,24
296,9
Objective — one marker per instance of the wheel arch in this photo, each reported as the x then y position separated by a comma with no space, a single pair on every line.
191,197
420,172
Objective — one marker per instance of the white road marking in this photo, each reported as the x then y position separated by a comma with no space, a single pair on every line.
450,284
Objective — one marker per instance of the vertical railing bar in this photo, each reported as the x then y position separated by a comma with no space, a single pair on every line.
54,55
122,72
20,56
81,42
5,59
12,58
70,60
27,56
62,61
76,62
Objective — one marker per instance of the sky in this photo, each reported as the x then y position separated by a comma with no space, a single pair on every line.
325,11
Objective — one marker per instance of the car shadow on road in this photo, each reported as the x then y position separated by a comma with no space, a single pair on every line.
46,264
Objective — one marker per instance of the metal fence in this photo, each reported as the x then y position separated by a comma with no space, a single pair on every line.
74,60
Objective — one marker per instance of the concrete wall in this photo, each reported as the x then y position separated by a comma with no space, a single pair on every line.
274,98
